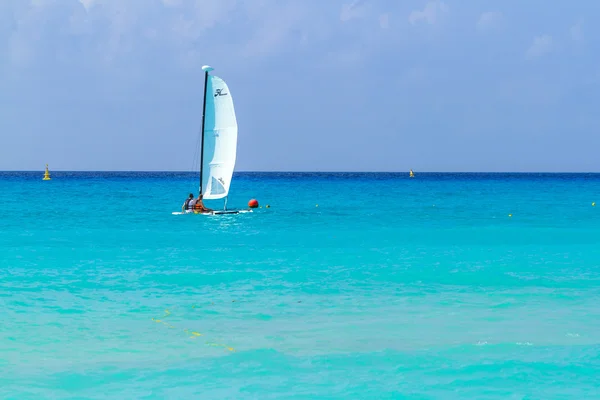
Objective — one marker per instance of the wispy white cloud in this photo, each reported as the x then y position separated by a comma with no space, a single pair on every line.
193,18
356,9
367,11
430,14
172,3
541,45
577,31
117,28
279,24
489,20
87,4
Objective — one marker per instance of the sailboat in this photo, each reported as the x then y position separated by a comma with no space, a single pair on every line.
218,142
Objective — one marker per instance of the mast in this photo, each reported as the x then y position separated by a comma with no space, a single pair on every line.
206,70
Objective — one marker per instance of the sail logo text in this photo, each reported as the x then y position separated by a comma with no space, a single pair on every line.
219,92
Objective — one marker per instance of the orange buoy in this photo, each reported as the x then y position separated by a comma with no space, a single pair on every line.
253,203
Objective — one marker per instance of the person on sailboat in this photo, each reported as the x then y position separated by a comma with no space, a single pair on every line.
189,203
199,207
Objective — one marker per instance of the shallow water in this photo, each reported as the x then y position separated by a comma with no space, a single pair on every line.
390,288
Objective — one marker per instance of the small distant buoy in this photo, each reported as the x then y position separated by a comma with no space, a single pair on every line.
46,174
510,215
267,206
594,204
253,203
317,205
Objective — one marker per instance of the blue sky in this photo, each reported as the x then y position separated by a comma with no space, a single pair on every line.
373,85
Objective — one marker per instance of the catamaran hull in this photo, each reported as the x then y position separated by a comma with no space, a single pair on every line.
213,212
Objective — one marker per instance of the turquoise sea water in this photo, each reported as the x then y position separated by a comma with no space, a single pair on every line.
392,288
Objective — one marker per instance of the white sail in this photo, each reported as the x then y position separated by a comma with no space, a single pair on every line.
220,139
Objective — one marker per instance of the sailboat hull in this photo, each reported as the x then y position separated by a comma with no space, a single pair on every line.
223,212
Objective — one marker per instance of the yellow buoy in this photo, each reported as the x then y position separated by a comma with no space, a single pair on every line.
411,174
510,215
46,174
594,204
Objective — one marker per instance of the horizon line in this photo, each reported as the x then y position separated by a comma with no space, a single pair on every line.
315,172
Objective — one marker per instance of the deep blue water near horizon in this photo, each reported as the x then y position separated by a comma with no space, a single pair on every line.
392,288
